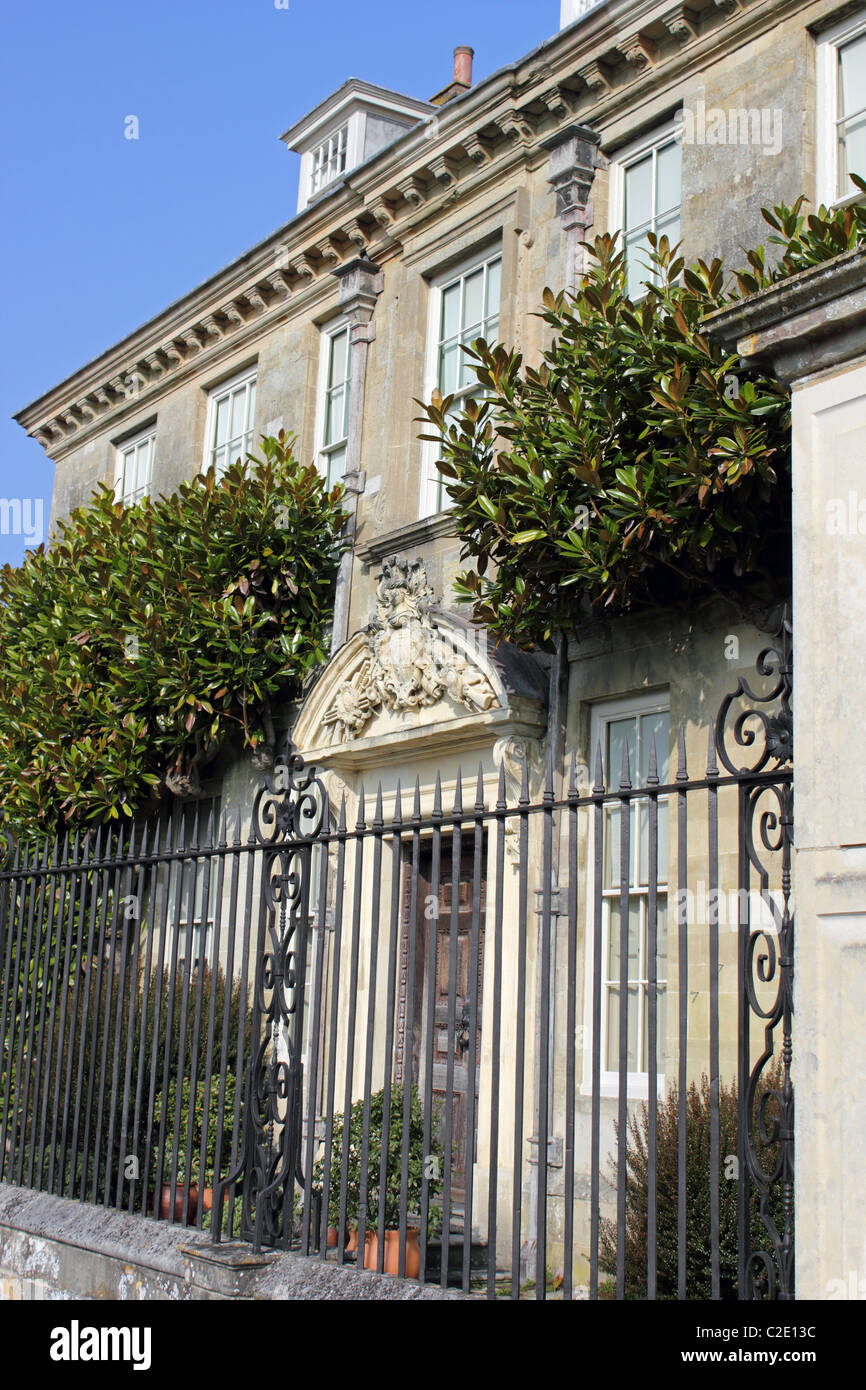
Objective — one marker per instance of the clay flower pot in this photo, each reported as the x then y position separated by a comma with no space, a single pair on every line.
392,1252
185,1204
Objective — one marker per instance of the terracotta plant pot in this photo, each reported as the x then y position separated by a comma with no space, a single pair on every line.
332,1237
352,1242
392,1252
185,1204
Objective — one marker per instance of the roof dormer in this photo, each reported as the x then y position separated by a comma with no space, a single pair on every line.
345,130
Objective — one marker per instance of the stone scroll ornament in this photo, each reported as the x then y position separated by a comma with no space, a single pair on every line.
754,741
409,661
289,811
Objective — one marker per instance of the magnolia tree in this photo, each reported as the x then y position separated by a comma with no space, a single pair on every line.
639,462
146,636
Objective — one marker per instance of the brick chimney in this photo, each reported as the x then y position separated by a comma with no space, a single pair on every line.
462,79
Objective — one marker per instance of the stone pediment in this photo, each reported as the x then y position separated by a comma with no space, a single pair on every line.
414,672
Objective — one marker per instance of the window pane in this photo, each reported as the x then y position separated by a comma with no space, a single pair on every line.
654,726
251,405
334,423
494,280
638,265
222,420
615,920
142,469
852,77
669,227
852,153
238,421
339,353
450,323
473,302
219,462
620,732
467,375
448,366
668,165
336,466
638,193
661,1026
613,1029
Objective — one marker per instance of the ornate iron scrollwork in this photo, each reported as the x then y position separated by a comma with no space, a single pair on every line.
289,811
773,739
766,1098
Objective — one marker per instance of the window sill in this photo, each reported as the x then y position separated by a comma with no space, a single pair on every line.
422,532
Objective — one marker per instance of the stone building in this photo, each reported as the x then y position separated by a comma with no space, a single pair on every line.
422,225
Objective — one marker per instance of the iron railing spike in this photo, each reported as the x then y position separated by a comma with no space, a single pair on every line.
652,776
341,823
458,793
416,804
501,801
437,796
682,770
479,788
625,770
712,765
523,799
572,777
599,770
398,805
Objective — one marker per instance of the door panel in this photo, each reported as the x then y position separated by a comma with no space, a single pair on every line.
433,918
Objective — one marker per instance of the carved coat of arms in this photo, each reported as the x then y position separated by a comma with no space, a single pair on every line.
409,662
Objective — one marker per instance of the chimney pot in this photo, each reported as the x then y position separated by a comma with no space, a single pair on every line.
463,56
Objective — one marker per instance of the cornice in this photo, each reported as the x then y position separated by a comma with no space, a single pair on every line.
602,65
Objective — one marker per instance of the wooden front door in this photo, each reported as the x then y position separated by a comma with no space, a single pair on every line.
451,1030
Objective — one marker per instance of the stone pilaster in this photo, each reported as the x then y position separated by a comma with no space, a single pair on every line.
573,161
360,287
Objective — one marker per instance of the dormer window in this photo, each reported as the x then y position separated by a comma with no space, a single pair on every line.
348,128
329,160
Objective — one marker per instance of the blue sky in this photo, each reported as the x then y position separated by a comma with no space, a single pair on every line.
101,232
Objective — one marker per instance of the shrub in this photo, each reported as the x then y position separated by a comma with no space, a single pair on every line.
639,463
146,636
418,1156
698,1245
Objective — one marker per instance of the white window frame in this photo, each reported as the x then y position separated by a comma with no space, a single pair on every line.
215,395
637,1082
324,144
827,108
669,133
124,447
432,501
328,332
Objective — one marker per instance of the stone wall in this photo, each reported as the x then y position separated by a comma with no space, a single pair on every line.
53,1248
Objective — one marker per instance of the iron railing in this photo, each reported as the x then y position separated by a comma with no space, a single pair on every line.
402,1013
